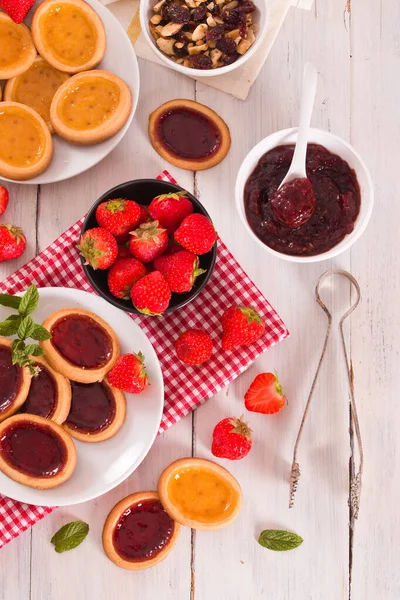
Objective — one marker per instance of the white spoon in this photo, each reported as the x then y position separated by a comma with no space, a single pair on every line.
284,201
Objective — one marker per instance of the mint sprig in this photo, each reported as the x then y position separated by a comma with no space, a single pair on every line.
23,327
70,536
279,540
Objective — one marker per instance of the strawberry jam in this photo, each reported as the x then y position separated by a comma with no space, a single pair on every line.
142,531
10,378
81,341
33,449
337,202
43,395
188,134
294,203
92,407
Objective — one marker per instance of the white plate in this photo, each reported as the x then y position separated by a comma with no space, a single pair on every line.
102,466
120,58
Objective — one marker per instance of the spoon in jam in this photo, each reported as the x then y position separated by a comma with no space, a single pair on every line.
294,201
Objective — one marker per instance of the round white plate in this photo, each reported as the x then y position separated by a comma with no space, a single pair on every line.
102,466
120,58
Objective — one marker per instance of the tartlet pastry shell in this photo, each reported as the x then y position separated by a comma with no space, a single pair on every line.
23,391
8,72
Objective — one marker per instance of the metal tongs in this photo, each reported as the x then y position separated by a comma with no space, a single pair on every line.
355,483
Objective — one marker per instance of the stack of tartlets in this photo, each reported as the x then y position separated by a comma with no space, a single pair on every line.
69,398
56,91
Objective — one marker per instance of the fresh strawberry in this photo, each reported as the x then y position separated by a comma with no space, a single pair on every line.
144,214
124,252
148,241
16,9
170,210
129,374
231,439
4,198
194,347
119,216
180,270
123,274
196,233
265,395
151,294
98,247
241,326
12,242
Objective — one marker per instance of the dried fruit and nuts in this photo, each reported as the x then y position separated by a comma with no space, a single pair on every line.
204,34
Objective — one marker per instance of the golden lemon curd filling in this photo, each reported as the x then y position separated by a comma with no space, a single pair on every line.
201,495
14,45
69,33
89,104
37,86
22,139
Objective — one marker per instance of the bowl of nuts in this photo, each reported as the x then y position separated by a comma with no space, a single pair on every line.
204,38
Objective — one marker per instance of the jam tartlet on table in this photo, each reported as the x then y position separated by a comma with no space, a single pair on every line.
189,135
69,35
17,49
337,201
26,145
36,88
97,411
36,452
200,494
138,532
14,382
49,394
82,347
90,107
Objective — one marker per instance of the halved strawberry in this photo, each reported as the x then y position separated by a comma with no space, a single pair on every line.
265,395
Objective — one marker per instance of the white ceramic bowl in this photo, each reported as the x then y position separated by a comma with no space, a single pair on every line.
260,16
336,145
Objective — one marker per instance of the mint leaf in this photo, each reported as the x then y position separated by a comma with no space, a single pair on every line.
70,536
18,352
26,328
9,327
10,301
40,334
29,301
34,350
279,540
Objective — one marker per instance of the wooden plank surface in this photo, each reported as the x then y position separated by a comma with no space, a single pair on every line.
358,57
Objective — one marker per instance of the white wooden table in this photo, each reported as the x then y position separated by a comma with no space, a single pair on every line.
358,57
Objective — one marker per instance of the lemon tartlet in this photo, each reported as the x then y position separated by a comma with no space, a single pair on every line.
91,107
17,49
138,532
69,35
36,88
26,145
200,494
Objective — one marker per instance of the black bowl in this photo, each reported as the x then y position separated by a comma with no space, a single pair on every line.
143,191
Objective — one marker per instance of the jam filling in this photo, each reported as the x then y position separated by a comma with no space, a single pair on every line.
294,203
43,395
92,407
10,379
337,196
81,341
33,449
143,531
189,134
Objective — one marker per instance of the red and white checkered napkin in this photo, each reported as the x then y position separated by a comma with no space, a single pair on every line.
185,387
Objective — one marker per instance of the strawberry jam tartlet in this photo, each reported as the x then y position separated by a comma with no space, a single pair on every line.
83,347
36,452
49,394
97,411
200,494
14,382
327,212
138,532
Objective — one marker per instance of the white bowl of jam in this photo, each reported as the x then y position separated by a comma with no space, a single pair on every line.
342,187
